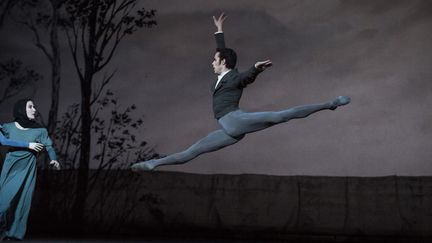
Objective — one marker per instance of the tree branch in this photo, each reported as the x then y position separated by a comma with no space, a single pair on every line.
126,6
105,81
6,5
73,47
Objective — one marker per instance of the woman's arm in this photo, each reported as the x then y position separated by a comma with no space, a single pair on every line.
46,140
19,144
7,142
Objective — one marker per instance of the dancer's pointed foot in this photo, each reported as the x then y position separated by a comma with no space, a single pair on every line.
339,101
143,166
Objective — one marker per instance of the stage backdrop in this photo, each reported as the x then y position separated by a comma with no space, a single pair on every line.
376,52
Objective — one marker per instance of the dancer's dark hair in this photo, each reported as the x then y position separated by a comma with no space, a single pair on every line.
229,55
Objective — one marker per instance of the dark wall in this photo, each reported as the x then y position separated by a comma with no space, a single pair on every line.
268,206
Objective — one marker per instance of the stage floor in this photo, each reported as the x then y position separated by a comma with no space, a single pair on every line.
316,239
104,240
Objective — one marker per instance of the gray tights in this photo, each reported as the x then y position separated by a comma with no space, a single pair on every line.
234,126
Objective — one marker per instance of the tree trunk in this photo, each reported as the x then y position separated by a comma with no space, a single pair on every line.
83,170
55,71
86,85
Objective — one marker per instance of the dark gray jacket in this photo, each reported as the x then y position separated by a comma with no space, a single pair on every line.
226,96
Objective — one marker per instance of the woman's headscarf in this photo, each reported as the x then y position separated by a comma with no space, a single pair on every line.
20,115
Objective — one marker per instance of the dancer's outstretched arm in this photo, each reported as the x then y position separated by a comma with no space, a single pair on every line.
250,75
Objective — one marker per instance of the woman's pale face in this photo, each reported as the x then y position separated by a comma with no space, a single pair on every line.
30,110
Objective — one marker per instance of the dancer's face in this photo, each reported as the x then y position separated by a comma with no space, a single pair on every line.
30,110
218,65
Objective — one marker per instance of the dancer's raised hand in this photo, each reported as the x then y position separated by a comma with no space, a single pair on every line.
219,21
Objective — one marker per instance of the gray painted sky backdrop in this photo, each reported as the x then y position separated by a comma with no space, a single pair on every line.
377,52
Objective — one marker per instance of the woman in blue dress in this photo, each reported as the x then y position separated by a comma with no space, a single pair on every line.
18,175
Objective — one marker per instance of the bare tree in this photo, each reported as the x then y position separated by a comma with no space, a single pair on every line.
94,32
5,7
114,149
15,77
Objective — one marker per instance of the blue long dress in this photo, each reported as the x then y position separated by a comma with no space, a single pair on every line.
17,179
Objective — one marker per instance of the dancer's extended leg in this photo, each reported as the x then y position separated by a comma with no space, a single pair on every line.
238,122
212,142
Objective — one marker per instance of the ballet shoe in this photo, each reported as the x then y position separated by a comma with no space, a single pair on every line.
142,166
339,101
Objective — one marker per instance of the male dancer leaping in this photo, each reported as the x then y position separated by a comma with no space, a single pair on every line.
234,122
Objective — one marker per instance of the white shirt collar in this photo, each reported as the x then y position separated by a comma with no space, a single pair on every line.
220,76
